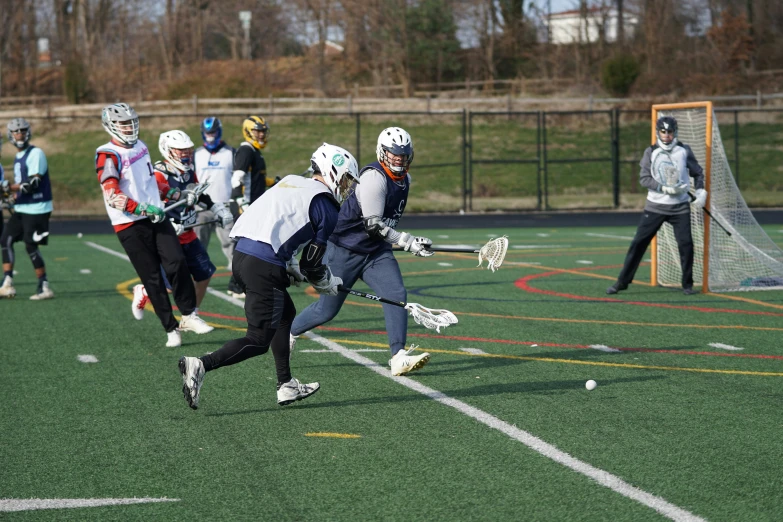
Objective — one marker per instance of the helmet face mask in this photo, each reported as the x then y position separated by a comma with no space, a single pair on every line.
211,133
176,147
122,123
338,168
666,132
255,131
19,132
395,151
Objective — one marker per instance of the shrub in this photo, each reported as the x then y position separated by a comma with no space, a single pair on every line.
619,74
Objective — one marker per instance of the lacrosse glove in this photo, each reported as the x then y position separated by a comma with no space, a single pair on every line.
416,245
701,198
679,188
328,285
294,274
223,214
155,214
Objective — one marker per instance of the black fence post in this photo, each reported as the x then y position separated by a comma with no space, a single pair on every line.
615,123
736,148
469,177
544,156
538,159
358,139
464,161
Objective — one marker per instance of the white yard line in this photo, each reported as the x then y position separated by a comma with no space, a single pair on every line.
30,504
609,236
726,346
473,351
604,348
531,247
107,250
87,358
604,478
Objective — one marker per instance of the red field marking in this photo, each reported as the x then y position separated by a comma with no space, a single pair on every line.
552,345
522,284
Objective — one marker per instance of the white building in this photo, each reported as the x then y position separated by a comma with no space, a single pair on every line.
569,27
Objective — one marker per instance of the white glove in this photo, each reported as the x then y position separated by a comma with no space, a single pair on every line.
189,196
236,178
223,214
294,274
416,245
679,188
701,198
179,228
328,285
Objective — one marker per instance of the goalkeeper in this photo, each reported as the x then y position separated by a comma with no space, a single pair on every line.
361,246
667,168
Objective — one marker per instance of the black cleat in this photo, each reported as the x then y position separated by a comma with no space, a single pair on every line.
617,287
690,291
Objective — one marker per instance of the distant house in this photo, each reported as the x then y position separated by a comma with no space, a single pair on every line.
330,48
573,26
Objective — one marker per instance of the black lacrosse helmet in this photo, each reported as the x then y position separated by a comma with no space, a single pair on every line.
666,123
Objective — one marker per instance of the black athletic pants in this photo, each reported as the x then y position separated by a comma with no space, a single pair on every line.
269,311
648,227
150,246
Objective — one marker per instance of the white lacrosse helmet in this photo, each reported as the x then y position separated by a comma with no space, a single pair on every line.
17,125
338,168
398,142
176,147
122,123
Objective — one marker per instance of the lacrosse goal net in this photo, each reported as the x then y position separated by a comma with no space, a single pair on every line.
733,254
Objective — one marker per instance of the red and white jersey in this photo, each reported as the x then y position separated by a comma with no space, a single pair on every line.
137,179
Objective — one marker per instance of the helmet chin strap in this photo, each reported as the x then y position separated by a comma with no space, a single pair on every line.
667,147
393,175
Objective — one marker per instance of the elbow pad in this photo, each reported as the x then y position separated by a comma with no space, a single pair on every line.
310,263
375,227
35,181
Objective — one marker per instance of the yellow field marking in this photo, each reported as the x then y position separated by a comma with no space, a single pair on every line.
61,259
334,435
746,300
571,361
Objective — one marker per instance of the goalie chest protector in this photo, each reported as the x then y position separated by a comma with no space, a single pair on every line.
350,232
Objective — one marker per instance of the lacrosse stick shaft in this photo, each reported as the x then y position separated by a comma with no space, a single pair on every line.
693,198
176,205
372,297
201,224
453,249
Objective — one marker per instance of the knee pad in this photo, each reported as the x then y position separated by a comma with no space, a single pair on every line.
35,255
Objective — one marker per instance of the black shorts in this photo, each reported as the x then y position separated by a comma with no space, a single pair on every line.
30,228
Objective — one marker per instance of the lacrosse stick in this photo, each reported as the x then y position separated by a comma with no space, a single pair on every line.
197,190
494,252
431,318
704,208
201,224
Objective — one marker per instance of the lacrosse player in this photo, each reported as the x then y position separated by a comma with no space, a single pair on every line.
297,214
248,180
667,168
29,221
174,173
5,192
361,246
133,202
215,165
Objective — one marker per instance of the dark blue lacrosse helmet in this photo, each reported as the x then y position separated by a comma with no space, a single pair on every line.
211,125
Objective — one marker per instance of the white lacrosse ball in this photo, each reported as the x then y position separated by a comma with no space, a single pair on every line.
79,235
591,384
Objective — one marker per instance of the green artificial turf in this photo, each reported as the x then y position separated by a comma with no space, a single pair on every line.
694,424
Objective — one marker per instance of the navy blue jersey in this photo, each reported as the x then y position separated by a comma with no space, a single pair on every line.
44,191
350,232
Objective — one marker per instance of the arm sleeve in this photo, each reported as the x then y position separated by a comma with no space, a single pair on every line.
163,184
36,163
694,169
371,194
645,175
109,179
323,217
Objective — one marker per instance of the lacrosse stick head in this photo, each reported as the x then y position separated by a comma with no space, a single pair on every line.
431,318
494,252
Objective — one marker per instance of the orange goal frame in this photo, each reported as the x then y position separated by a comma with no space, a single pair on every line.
707,105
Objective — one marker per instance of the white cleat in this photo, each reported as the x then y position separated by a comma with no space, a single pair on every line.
192,370
403,362
194,323
294,390
174,340
140,300
45,293
8,290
